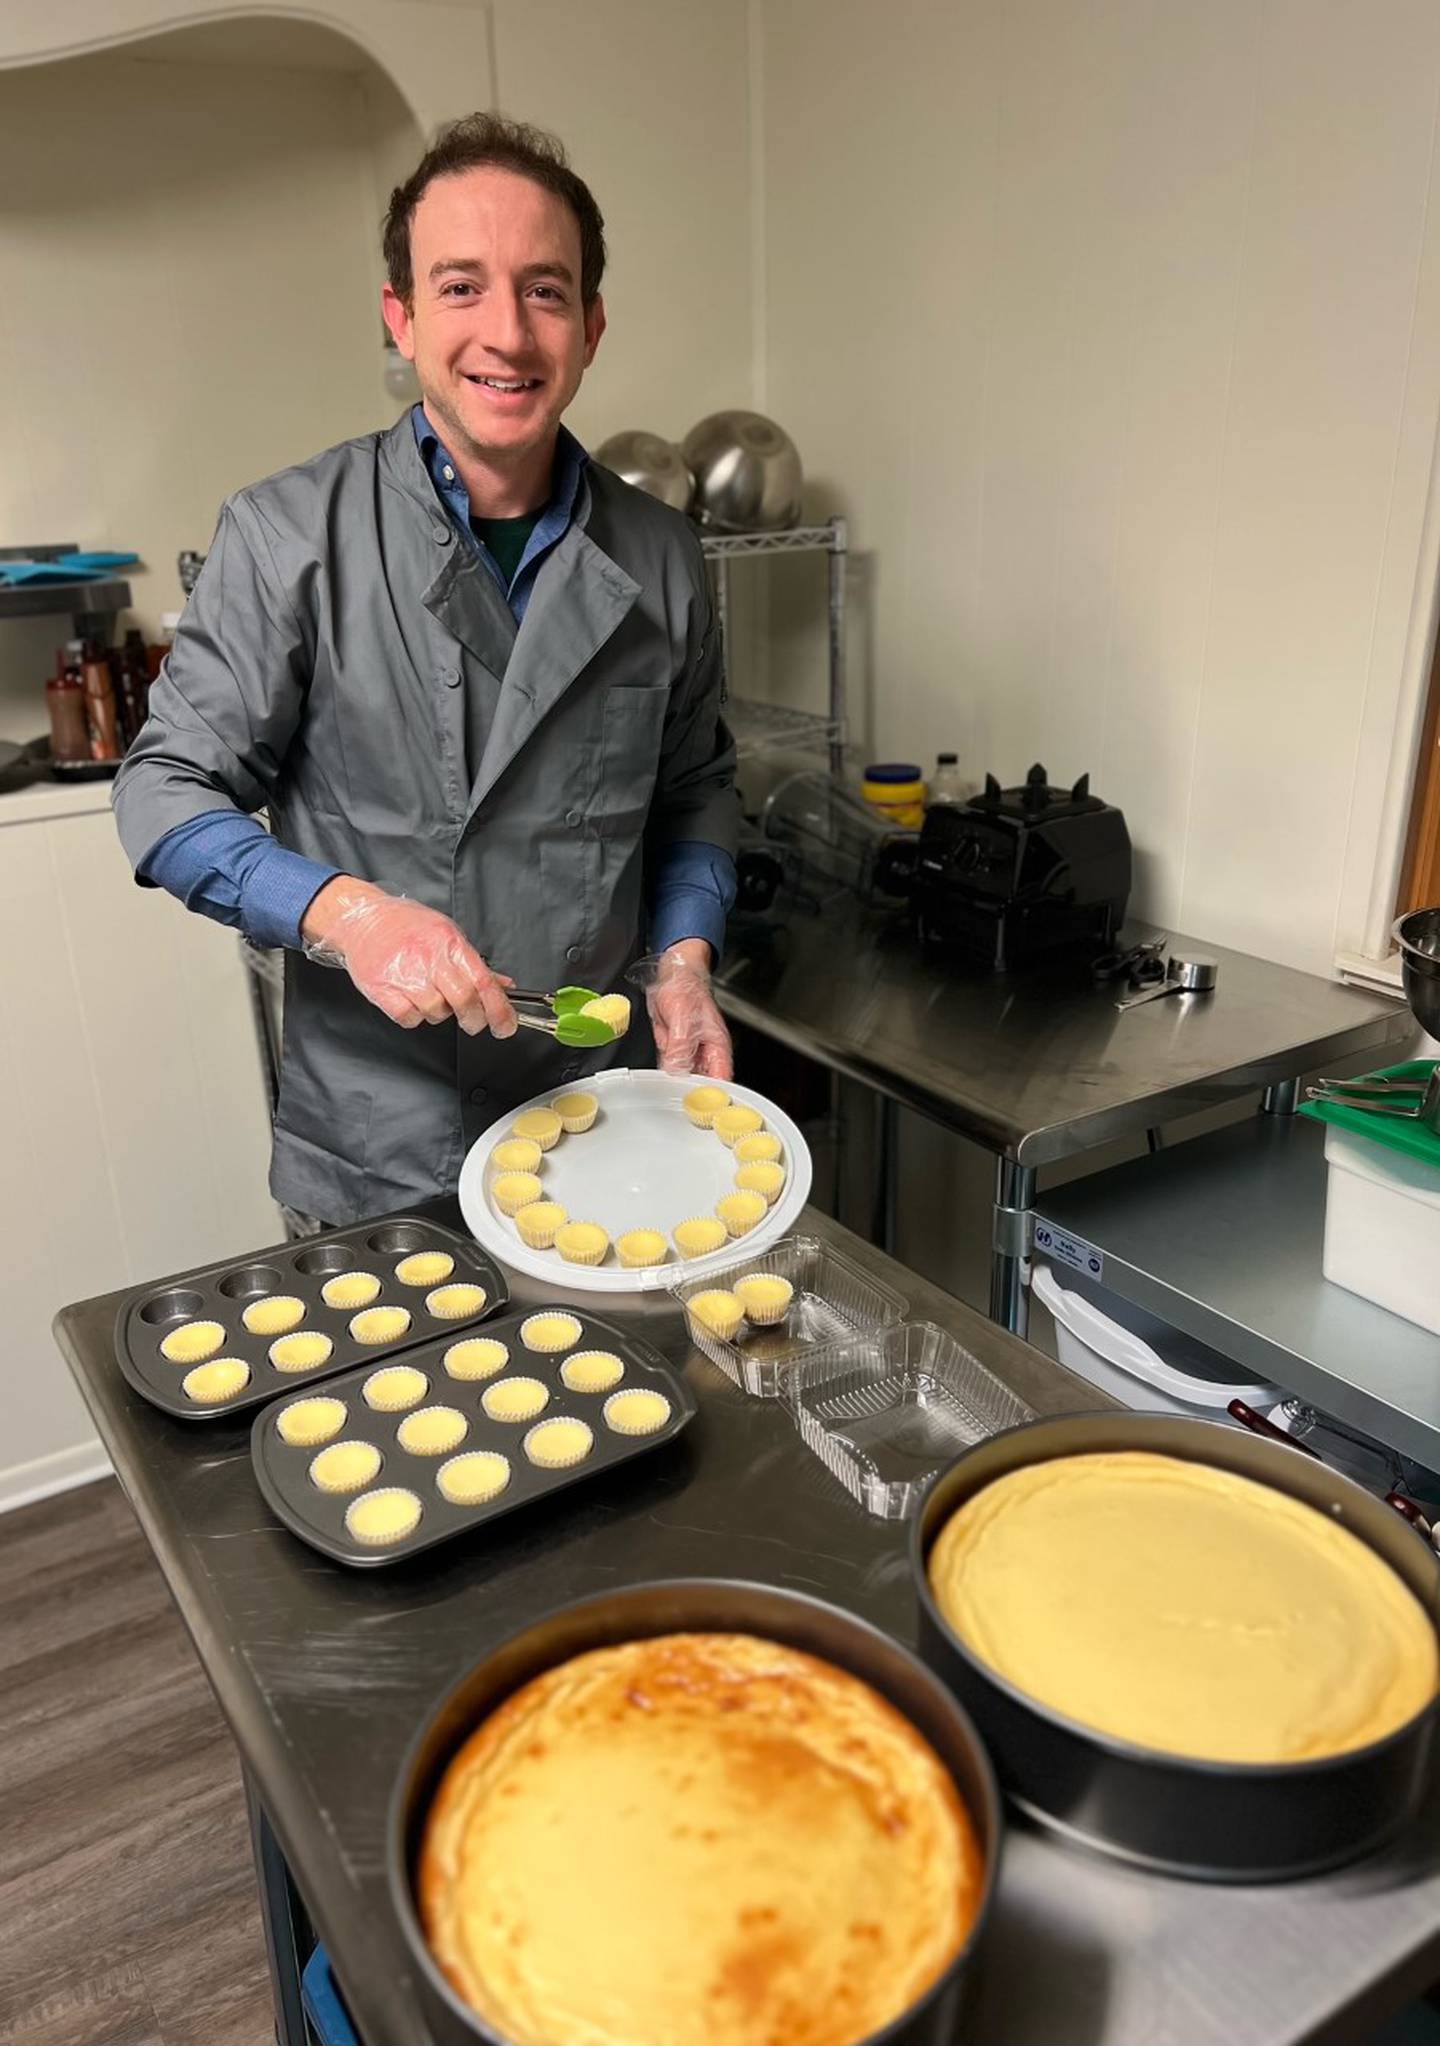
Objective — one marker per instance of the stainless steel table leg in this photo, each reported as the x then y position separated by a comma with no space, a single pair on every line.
1010,1246
288,1938
1281,1099
887,1144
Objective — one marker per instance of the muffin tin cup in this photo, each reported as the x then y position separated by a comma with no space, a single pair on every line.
222,1292
282,1471
833,1300
946,2013
886,1411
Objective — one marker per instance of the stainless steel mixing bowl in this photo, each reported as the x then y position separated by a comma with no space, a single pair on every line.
747,473
651,463
1418,936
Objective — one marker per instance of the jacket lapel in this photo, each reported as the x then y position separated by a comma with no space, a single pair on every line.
467,601
580,599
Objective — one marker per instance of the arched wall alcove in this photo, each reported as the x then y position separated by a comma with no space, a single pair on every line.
438,57
189,237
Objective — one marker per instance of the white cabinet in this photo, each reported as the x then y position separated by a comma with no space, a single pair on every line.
134,1131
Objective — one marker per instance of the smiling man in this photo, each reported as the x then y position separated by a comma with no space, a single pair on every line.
475,681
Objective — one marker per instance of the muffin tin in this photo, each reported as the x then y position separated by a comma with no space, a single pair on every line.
222,1292
832,1301
318,1517
884,1412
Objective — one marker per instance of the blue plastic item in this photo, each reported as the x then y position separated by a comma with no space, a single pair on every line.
325,2014
15,573
96,561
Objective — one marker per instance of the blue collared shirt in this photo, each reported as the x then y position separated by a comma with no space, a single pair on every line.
227,866
552,524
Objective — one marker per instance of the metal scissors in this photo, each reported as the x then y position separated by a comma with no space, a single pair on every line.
1142,965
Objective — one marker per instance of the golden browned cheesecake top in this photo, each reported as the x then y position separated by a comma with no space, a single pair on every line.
696,1840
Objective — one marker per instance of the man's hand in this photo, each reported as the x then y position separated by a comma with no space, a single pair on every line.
690,1033
410,961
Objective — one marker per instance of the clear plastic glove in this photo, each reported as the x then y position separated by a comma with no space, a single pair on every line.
410,961
690,1033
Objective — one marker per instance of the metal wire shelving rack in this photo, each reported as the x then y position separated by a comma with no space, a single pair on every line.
763,727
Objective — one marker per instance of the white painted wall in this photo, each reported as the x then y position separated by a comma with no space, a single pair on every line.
1116,329
650,98
190,302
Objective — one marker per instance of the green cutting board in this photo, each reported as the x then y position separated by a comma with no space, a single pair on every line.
1391,1131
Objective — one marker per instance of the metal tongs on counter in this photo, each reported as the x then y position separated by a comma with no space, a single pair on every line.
1414,1100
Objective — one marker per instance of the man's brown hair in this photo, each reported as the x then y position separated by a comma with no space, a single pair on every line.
479,141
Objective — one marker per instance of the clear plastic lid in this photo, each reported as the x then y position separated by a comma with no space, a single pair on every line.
885,1412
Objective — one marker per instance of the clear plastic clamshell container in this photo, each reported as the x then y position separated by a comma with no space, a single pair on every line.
832,1301
884,1412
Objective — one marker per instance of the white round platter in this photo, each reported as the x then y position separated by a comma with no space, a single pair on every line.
644,1165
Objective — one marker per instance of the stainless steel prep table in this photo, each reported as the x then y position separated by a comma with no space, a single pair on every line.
1222,1238
1033,1066
324,1675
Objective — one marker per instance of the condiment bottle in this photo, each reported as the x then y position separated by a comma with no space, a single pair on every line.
65,701
100,704
948,785
132,680
896,789
157,650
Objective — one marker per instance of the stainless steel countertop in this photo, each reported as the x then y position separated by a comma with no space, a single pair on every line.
1222,1237
324,1674
1037,1065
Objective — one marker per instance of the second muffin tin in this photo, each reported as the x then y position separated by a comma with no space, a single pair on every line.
222,1292
318,1517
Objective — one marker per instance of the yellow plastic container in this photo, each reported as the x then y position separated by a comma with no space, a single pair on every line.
897,790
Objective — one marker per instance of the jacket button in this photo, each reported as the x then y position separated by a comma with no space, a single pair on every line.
573,817
477,1095
450,677
573,952
441,535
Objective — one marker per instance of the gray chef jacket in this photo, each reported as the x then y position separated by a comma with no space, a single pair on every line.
320,672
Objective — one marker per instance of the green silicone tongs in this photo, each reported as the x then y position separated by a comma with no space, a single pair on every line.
562,1019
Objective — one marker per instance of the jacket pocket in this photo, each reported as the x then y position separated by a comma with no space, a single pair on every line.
631,734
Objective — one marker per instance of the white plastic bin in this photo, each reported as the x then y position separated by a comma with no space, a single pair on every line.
1121,1356
1153,1368
1382,1227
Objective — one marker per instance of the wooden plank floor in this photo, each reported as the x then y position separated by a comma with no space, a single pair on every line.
127,1894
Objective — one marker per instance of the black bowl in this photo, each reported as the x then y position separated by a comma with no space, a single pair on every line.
1418,936
699,1605
1220,1821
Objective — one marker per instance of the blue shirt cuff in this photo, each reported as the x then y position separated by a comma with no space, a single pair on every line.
282,886
691,895
228,867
